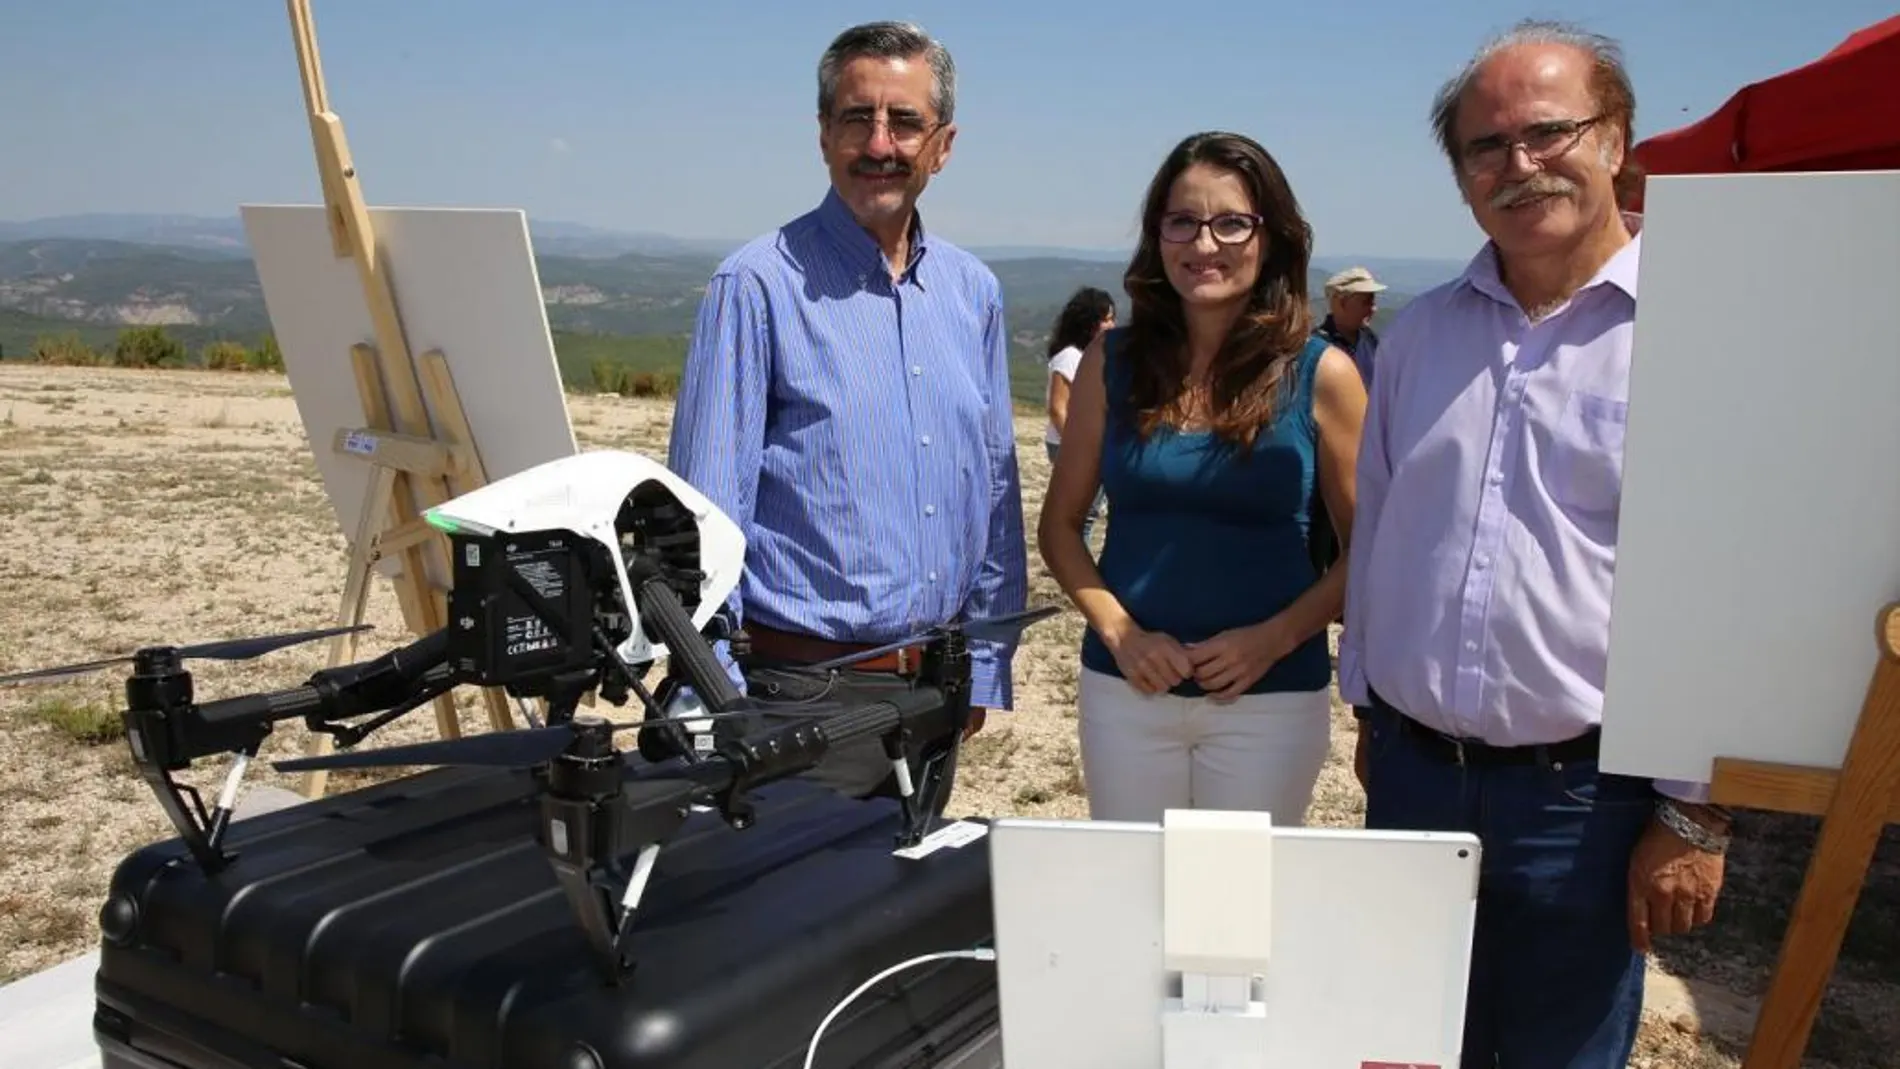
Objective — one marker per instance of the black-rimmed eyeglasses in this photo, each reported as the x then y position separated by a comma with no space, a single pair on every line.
1228,228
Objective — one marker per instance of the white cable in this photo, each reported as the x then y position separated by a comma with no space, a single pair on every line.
227,800
527,712
980,954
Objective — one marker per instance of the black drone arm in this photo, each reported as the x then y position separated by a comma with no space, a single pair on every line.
171,731
167,730
749,761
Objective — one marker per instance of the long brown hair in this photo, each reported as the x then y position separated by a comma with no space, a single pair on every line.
1252,363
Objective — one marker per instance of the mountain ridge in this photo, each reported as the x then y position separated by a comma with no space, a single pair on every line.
627,299
587,241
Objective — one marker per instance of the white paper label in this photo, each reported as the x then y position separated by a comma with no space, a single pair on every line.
953,836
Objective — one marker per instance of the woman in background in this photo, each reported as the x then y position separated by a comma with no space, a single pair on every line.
1209,420
1089,312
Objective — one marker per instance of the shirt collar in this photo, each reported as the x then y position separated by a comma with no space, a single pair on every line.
858,244
1619,270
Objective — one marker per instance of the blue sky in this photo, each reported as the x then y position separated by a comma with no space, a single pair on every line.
697,119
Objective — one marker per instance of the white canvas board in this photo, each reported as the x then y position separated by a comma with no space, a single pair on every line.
1353,975
1759,533
465,282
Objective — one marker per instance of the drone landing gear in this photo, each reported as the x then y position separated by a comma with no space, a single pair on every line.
922,806
202,834
158,699
948,664
587,825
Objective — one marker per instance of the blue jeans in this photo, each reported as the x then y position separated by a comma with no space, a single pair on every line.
1095,507
1554,982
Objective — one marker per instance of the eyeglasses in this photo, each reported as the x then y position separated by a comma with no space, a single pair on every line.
1542,142
907,129
1228,228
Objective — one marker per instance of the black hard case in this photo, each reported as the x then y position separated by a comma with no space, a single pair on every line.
417,924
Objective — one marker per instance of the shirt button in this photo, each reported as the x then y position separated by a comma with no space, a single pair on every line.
1471,646
930,510
916,369
932,577
925,439
1483,560
1497,477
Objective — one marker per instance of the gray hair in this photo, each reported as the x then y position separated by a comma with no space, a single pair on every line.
1609,81
889,40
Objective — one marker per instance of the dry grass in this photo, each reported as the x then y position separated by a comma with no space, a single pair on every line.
140,507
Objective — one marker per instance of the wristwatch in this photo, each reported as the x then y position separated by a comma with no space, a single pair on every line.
1689,829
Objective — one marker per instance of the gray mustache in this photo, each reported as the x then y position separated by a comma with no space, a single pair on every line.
1536,186
879,167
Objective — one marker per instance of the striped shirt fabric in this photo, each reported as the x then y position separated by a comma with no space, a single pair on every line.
860,431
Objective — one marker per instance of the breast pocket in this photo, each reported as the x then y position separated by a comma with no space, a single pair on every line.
1585,469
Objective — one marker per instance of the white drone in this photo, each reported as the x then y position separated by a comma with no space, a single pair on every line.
589,494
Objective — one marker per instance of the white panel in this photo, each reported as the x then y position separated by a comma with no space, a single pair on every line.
1760,525
1218,869
465,283
46,1018
1371,945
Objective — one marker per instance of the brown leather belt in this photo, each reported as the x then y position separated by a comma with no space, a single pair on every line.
795,648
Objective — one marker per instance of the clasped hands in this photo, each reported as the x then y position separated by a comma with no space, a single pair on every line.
1224,665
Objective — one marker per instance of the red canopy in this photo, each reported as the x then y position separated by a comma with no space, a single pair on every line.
1838,113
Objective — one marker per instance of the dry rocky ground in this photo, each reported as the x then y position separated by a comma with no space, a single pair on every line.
140,507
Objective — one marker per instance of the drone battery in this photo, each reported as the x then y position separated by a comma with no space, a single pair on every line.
417,923
520,607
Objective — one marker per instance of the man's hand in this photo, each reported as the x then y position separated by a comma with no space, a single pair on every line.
977,714
1672,885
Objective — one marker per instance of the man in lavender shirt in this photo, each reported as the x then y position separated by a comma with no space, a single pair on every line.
1477,613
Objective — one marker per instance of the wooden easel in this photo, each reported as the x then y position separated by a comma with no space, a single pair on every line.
1856,804
413,464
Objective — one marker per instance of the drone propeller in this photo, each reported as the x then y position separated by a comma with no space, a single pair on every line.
989,629
237,649
517,749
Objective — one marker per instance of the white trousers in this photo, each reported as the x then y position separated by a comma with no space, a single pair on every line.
1143,754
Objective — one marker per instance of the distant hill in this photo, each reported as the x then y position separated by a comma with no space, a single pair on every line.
194,276
214,233
184,231
581,240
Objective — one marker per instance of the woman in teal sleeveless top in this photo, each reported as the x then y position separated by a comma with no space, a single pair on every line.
1211,421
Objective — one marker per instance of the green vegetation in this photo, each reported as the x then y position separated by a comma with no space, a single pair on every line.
639,366
21,332
90,725
589,363
142,347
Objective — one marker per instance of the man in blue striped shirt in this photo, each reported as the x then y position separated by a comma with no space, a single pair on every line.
846,401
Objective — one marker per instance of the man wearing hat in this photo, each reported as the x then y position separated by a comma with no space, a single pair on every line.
1351,298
